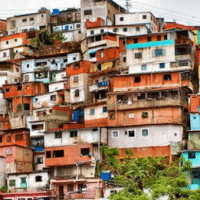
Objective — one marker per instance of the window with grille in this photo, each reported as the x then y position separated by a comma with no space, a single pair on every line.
158,52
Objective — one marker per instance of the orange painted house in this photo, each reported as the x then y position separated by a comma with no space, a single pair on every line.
2,25
19,137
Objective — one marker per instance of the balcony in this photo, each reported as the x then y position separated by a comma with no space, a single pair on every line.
99,86
149,103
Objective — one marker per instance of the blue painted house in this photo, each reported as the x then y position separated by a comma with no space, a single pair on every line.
194,157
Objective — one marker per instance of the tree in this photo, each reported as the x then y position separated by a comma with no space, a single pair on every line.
137,174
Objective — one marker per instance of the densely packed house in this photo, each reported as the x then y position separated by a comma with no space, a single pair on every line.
108,77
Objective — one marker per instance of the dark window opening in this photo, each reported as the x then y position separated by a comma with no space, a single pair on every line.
9,138
137,28
58,153
125,29
112,116
26,106
124,59
53,97
144,16
76,94
149,39
141,96
121,19
138,55
7,90
38,179
159,38
167,77
144,114
37,127
191,155
87,12
137,79
165,37
1,138
48,154
85,151
58,134
70,188
135,40
19,137
40,160
73,133
19,87
131,133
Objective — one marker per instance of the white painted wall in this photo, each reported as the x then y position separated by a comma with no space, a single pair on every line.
56,86
42,101
131,30
32,185
37,132
98,113
83,135
2,171
158,135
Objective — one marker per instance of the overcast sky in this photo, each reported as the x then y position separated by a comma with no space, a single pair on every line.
182,11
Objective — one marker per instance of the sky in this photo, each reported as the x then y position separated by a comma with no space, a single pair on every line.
181,11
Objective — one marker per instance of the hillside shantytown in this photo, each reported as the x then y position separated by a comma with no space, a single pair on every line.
74,80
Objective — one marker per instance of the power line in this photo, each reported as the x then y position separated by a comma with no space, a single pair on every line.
128,5
171,16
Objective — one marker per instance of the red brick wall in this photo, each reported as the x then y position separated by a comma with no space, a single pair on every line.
72,155
98,22
84,68
194,103
108,54
2,26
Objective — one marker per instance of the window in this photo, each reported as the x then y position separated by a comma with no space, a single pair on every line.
58,153
144,16
78,25
38,179
145,133
74,58
40,160
115,134
144,67
26,106
167,77
125,29
75,79
144,114
101,54
114,30
7,42
102,30
137,28
76,93
138,55
48,154
159,38
92,111
131,115
191,154
9,138
19,87
87,12
131,133
149,39
19,137
165,37
162,65
12,182
65,60
73,134
24,20
32,19
135,40
124,59
112,116
137,79
158,52
85,151
58,134
4,54
1,138
53,97
37,127
92,32
104,109
121,19
17,69
70,188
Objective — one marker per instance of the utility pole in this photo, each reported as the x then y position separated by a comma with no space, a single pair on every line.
128,5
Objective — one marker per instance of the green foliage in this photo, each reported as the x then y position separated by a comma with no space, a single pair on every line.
60,37
4,188
137,174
